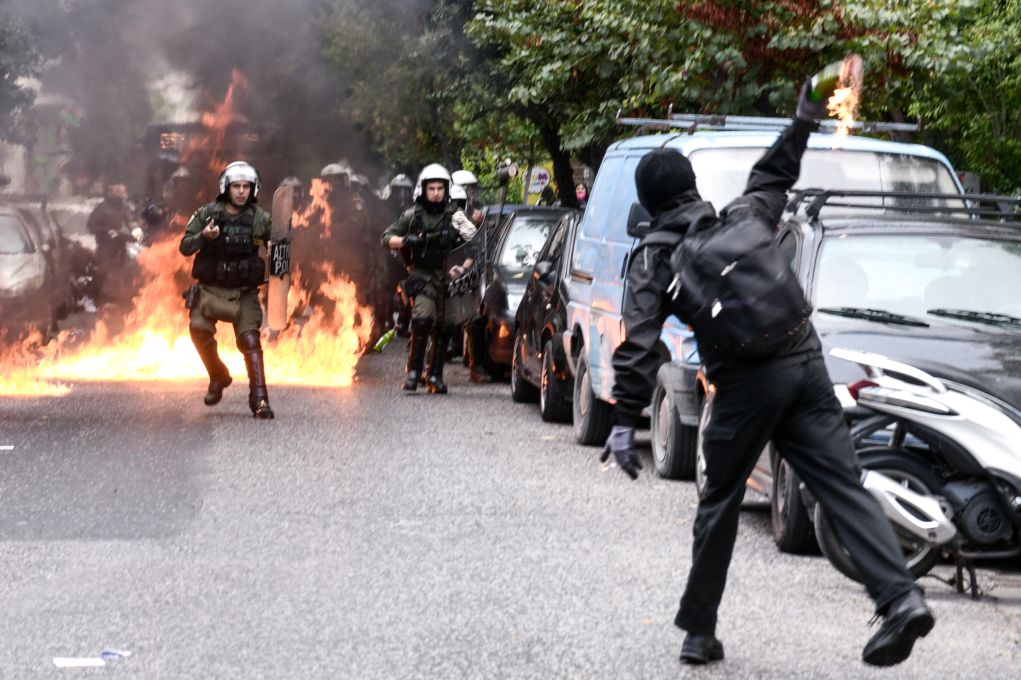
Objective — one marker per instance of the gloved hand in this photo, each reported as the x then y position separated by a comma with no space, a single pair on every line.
413,241
809,109
621,443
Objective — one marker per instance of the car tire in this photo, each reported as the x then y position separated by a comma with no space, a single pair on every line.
522,391
791,523
592,416
554,404
673,443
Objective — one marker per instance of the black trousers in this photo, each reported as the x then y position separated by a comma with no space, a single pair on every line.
790,401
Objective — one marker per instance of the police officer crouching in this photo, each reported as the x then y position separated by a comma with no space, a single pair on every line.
226,235
425,234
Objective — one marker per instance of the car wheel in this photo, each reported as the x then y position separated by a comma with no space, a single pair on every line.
554,405
522,391
673,444
791,524
919,557
592,416
700,463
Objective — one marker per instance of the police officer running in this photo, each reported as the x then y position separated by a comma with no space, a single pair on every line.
225,237
786,397
425,234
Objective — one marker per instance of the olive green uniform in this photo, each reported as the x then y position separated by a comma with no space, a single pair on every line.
238,305
426,285
427,280
229,269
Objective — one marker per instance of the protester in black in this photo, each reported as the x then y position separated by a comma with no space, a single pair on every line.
787,398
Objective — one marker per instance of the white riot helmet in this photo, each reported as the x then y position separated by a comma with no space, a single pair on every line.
239,171
464,178
402,181
457,193
432,173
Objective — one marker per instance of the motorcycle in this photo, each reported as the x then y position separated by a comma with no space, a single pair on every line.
942,459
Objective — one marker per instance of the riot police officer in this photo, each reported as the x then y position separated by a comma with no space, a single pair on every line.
225,237
426,233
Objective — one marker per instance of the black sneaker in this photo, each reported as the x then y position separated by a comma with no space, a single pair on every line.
906,620
699,650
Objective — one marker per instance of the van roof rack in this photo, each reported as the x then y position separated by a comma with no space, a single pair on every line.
712,121
981,206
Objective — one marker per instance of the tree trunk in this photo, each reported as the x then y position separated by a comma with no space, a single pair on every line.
563,173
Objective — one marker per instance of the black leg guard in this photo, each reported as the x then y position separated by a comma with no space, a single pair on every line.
434,381
476,350
420,329
219,378
258,395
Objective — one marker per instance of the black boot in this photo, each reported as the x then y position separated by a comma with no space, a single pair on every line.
476,352
420,329
434,380
906,620
698,650
258,395
219,377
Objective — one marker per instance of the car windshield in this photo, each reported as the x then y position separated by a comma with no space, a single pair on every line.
528,234
723,173
12,238
921,276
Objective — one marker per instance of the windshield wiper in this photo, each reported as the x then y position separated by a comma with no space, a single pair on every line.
990,318
869,314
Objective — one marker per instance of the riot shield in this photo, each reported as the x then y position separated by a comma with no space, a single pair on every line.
280,258
462,292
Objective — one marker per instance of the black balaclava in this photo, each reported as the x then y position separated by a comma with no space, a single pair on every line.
662,177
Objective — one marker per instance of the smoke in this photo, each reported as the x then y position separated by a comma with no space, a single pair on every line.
129,64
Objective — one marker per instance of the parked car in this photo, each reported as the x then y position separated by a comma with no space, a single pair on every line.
35,282
603,244
938,292
509,263
539,369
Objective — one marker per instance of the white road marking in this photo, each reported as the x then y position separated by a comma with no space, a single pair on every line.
6,447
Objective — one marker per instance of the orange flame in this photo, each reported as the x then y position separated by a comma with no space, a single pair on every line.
153,341
319,193
843,104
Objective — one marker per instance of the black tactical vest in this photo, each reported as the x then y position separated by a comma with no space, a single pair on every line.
232,259
438,243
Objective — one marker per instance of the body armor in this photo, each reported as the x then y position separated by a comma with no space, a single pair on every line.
438,243
231,260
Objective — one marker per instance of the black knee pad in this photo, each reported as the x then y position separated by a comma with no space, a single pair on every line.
249,341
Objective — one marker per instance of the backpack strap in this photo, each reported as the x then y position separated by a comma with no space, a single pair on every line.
663,237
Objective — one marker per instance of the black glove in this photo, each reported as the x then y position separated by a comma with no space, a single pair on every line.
621,443
414,241
808,109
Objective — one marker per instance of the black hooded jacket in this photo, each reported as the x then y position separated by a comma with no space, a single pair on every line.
646,303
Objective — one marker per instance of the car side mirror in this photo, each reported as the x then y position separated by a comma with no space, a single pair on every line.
639,221
542,270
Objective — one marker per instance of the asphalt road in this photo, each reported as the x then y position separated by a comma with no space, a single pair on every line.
370,534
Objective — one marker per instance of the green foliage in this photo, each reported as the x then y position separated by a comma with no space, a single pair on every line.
19,58
553,74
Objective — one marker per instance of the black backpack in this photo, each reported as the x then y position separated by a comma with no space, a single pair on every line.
734,286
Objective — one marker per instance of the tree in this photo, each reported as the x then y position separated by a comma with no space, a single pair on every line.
19,59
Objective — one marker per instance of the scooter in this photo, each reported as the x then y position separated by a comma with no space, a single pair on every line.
942,459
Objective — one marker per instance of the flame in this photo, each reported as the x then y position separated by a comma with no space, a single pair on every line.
152,342
155,343
319,204
843,104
